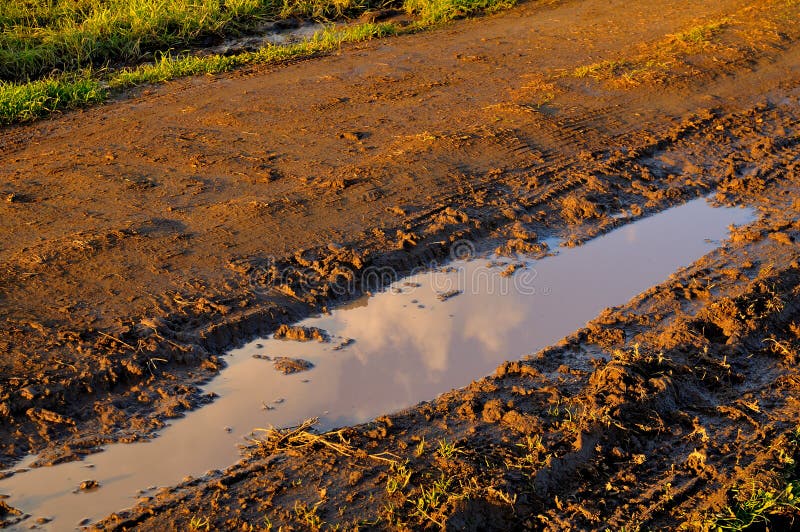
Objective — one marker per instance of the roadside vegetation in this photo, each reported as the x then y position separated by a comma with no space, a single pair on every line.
64,54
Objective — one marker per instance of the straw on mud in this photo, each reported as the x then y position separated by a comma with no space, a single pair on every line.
299,437
117,340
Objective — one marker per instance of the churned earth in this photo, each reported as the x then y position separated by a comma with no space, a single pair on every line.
141,239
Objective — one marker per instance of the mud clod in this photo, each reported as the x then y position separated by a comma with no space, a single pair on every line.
444,296
301,334
89,485
291,365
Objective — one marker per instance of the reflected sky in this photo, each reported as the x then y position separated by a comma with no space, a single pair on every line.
409,347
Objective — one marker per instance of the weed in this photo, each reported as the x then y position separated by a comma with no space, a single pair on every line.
308,514
562,410
431,499
399,477
420,450
763,505
759,507
601,70
701,34
448,449
199,523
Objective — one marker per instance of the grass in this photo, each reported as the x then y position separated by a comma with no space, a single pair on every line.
398,479
448,449
169,67
41,35
437,11
662,55
307,514
430,499
762,506
66,54
765,506
26,102
703,33
199,523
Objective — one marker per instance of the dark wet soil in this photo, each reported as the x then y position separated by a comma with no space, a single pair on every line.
141,239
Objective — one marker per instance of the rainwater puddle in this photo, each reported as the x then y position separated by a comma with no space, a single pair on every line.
269,33
407,346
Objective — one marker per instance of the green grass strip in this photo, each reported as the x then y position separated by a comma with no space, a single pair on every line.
28,101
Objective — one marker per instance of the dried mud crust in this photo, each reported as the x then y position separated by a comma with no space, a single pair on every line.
649,418
142,239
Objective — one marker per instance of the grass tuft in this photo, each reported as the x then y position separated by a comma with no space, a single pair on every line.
438,11
761,507
29,101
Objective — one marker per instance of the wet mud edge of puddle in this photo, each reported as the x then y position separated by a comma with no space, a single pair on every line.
403,346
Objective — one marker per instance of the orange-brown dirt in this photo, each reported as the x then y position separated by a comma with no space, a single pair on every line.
139,240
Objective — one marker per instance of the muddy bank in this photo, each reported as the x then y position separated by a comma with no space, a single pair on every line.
141,240
381,354
657,415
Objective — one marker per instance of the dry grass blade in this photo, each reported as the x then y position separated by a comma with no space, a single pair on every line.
301,437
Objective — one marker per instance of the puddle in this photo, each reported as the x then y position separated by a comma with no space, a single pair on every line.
409,346
269,33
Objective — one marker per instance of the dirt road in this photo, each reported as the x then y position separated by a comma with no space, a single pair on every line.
137,237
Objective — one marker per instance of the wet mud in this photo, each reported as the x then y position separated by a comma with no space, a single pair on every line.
143,239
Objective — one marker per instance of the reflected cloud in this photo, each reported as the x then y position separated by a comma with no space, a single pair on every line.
402,355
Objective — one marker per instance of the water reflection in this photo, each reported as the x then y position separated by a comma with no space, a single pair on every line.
409,347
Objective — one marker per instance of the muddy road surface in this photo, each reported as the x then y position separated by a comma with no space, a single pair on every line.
142,239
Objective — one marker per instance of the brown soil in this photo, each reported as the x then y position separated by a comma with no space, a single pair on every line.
142,239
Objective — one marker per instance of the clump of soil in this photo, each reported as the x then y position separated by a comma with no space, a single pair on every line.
576,209
444,296
6,510
88,485
301,334
288,365
512,269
